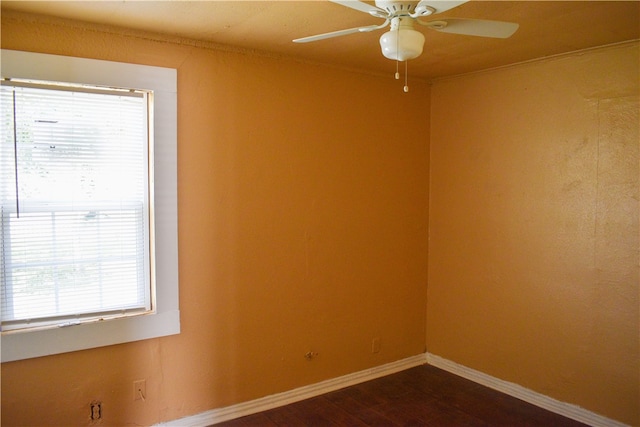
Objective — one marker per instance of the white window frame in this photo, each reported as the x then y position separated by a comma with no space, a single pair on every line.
166,318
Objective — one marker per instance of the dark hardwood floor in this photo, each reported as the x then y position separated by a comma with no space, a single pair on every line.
421,396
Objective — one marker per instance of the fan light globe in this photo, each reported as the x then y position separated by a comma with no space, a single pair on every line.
402,44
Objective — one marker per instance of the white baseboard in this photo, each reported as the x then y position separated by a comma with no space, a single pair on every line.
568,410
214,416
565,409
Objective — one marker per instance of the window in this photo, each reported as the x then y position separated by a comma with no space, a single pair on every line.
88,217
74,205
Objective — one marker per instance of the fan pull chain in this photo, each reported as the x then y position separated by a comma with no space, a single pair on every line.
397,73
406,82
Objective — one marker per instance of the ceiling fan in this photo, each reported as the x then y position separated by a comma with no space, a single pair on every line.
402,42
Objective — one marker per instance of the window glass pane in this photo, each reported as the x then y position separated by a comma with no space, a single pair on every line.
74,203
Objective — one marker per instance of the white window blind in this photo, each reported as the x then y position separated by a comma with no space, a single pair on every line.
74,204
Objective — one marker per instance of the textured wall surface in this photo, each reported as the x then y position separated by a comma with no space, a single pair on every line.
302,226
303,215
533,255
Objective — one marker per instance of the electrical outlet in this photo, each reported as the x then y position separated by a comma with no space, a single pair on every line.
375,345
140,390
96,410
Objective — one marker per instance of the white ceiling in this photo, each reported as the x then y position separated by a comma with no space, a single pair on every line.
546,28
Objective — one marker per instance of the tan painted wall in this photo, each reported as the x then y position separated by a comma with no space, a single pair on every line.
302,225
533,255
303,220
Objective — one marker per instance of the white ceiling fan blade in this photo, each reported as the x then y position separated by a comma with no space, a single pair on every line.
474,27
337,33
440,6
358,5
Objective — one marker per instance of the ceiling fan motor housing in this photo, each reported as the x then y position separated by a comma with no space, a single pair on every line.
395,7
